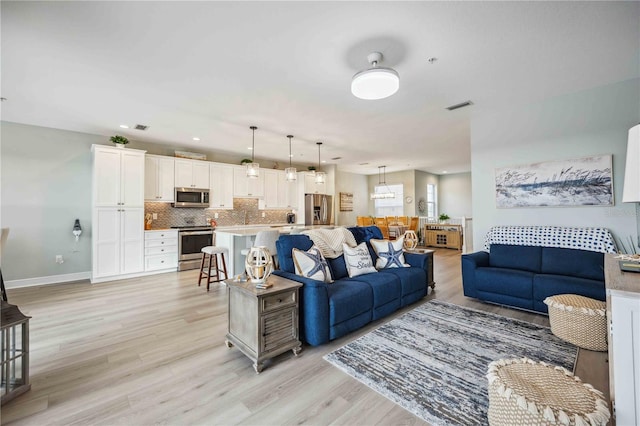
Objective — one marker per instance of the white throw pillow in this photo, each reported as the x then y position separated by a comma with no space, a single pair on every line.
390,254
311,264
358,260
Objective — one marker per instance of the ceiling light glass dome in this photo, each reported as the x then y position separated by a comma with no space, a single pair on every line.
376,82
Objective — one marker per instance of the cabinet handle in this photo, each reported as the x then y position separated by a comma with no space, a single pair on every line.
162,250
162,235
162,261
162,242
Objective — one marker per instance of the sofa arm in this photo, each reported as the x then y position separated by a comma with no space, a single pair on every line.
423,261
470,262
314,308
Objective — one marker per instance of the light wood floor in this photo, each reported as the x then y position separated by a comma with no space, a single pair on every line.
151,351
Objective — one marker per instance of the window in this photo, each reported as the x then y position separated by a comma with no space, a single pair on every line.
389,206
432,200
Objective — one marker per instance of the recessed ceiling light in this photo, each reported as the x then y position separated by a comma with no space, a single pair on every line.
444,172
196,138
124,126
249,148
324,161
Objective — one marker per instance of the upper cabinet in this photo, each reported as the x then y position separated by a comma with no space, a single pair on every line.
278,192
244,186
270,199
191,174
311,187
159,178
118,176
221,186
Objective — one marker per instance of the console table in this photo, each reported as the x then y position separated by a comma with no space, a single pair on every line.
623,316
263,323
443,235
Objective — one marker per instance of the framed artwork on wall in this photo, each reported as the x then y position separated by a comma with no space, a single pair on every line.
346,201
586,181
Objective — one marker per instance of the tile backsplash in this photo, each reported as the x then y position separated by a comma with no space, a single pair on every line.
169,216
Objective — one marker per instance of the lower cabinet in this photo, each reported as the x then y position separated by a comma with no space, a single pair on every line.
263,323
118,241
160,250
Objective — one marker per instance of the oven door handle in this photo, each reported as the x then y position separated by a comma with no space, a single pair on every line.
197,233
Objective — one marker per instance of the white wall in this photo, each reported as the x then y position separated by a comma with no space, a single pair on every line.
46,185
358,186
590,122
407,178
454,194
422,180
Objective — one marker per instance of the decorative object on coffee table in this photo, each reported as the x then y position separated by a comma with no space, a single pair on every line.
259,265
525,392
579,320
410,240
263,323
14,355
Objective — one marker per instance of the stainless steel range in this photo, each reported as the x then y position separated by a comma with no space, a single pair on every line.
191,239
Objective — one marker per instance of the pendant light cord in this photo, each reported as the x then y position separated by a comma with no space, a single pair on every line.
289,136
319,144
253,142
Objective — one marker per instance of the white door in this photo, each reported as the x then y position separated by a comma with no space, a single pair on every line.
132,179
132,240
106,235
166,179
151,178
221,186
184,173
106,178
271,189
240,182
200,174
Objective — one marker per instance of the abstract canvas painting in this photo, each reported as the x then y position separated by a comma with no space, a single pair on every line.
583,181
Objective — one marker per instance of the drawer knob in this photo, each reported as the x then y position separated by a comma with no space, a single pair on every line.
162,261
161,249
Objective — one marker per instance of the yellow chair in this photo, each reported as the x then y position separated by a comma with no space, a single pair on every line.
364,220
404,220
413,225
381,223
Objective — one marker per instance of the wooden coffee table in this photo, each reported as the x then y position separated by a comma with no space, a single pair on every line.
263,323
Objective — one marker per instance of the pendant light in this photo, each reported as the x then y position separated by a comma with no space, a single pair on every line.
253,168
290,173
375,82
383,195
320,176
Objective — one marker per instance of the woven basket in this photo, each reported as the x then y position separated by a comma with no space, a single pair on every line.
525,392
579,320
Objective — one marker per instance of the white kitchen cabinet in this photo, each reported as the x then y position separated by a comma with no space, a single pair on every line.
221,176
118,242
118,212
159,178
270,199
118,178
247,187
311,187
161,250
287,193
191,174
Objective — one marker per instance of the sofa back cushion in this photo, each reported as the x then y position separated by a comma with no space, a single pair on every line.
364,234
285,245
524,258
573,262
338,267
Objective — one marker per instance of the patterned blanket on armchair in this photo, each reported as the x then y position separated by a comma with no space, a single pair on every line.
591,239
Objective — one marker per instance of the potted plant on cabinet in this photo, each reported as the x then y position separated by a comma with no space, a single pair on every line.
443,218
120,141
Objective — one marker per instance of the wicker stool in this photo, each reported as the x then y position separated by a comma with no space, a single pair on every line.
525,392
579,320
213,277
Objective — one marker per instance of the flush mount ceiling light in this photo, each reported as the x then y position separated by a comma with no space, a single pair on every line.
253,168
320,176
290,173
381,182
375,82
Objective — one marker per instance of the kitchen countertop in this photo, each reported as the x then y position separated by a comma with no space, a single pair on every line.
250,230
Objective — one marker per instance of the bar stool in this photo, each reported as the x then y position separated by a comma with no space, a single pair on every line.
213,253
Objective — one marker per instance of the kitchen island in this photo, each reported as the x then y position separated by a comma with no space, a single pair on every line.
237,238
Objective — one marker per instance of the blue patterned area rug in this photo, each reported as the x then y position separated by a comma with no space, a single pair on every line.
433,360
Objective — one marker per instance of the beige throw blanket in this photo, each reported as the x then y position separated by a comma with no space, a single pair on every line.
329,241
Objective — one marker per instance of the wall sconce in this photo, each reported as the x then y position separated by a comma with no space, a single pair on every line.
631,192
77,229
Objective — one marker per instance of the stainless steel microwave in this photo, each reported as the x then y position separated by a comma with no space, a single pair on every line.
191,197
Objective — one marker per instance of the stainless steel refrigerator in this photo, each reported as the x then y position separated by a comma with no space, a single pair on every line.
317,209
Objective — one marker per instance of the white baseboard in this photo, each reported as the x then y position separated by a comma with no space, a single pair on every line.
51,279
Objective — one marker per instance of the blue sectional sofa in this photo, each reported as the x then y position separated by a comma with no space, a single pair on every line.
331,310
523,276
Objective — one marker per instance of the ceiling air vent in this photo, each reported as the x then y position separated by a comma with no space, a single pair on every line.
141,127
461,105
337,158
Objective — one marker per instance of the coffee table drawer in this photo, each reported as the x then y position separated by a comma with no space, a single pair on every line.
279,300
